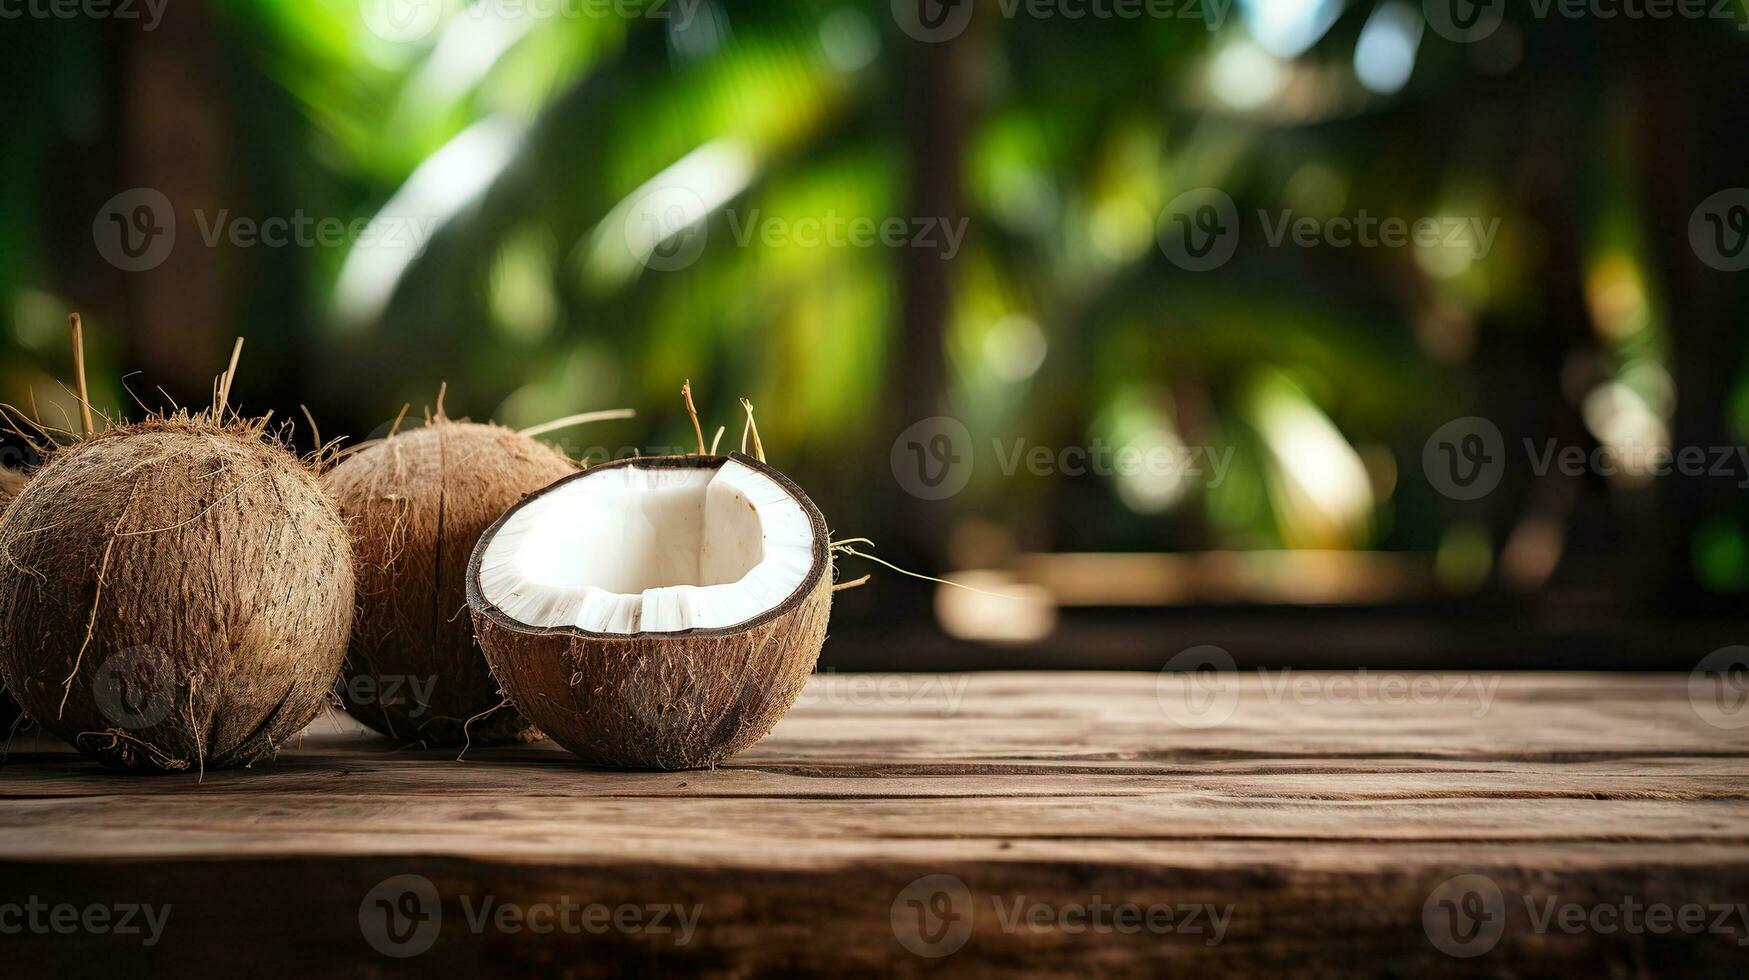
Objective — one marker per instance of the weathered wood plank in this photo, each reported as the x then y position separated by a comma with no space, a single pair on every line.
1287,917
1325,825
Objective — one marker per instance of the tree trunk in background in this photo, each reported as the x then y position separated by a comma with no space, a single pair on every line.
1692,138
170,120
914,531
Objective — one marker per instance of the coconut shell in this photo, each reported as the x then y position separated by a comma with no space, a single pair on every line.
416,503
174,595
684,700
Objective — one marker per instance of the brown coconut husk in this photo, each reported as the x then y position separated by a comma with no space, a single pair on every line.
174,594
416,503
661,700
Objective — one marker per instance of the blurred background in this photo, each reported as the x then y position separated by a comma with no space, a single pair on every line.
1094,303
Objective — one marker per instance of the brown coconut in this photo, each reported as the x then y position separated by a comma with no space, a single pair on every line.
416,503
661,700
174,595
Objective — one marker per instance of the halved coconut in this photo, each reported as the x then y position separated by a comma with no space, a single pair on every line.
657,613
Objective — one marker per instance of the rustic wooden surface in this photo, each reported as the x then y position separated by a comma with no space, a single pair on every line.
1325,824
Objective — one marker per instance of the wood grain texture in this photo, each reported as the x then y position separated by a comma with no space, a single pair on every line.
1325,821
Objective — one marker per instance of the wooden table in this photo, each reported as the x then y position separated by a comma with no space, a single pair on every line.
1027,823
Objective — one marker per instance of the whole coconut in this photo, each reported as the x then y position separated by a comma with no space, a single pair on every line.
174,595
416,504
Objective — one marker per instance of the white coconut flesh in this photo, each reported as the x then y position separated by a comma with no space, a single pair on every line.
650,549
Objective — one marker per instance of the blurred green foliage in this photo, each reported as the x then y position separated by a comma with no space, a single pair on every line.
514,142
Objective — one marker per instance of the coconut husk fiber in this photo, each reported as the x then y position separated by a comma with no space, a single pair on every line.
175,594
416,503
